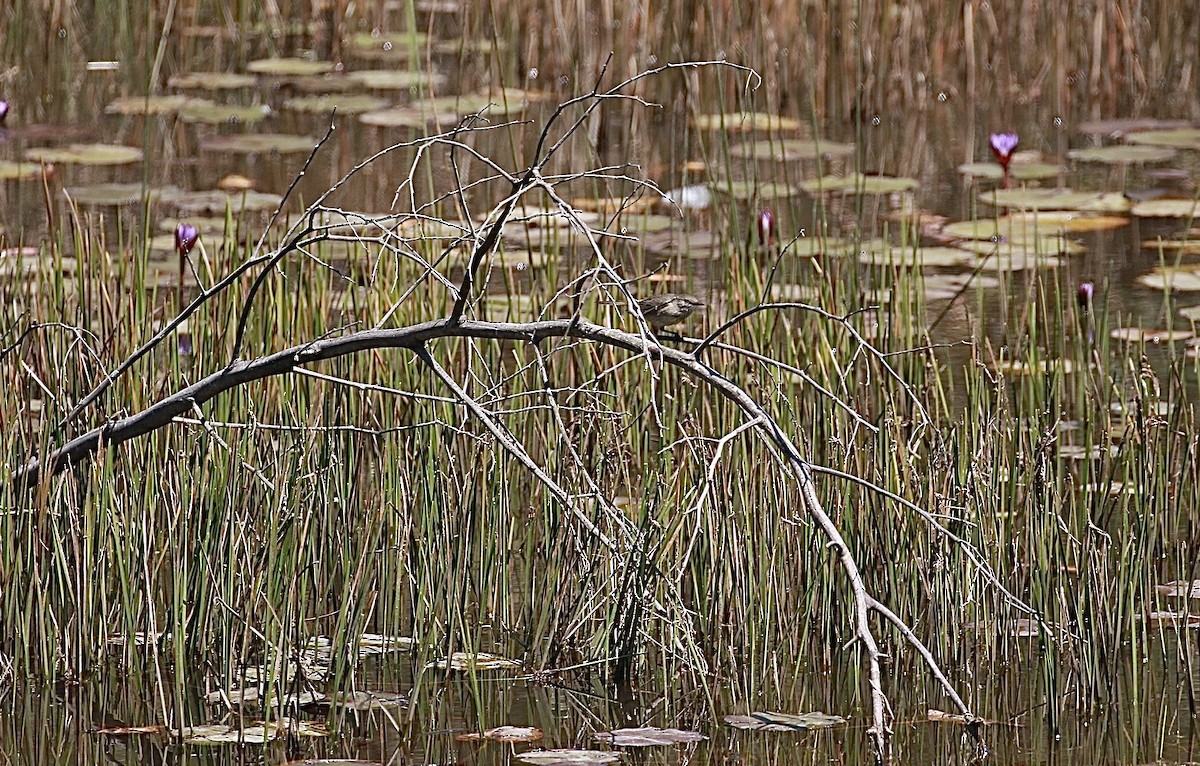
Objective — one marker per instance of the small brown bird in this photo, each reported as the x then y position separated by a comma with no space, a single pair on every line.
665,310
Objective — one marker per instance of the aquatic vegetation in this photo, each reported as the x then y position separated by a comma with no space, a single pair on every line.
1003,145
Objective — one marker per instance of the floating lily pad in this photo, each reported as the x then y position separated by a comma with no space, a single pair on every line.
1021,171
502,104
1032,226
933,257
207,112
1144,335
255,734
791,150
1191,313
1057,199
1171,619
1179,138
857,183
1184,280
834,247
647,736
145,105
19,171
254,143
481,661
745,191
387,45
217,201
344,104
289,67
1042,367
211,81
944,287
363,701
568,757
394,79
745,122
113,194
939,716
86,154
127,731
504,734
1167,208
784,721
1180,588
1184,246
406,117
1118,127
1122,155
375,643
322,84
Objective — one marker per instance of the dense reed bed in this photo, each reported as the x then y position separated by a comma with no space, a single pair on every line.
359,496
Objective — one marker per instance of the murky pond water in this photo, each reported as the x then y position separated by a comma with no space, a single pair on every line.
241,95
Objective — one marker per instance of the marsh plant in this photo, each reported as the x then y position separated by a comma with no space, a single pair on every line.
409,429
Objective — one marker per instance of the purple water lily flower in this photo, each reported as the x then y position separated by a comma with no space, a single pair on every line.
1003,145
185,238
3,111
1084,295
766,227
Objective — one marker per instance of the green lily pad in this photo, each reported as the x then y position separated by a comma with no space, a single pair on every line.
344,104
857,183
1179,138
256,734
1148,335
834,247
322,84
1167,208
744,191
784,721
647,736
19,171
791,150
1023,227
1120,126
217,201
1186,246
211,113
406,117
86,154
145,105
387,45
211,81
1121,155
394,79
568,757
254,143
290,67
1183,280
1021,171
745,122
929,257
1057,199
364,700
504,104
101,195
480,661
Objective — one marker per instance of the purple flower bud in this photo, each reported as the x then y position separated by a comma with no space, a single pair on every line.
1003,145
766,227
3,110
1083,295
185,238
